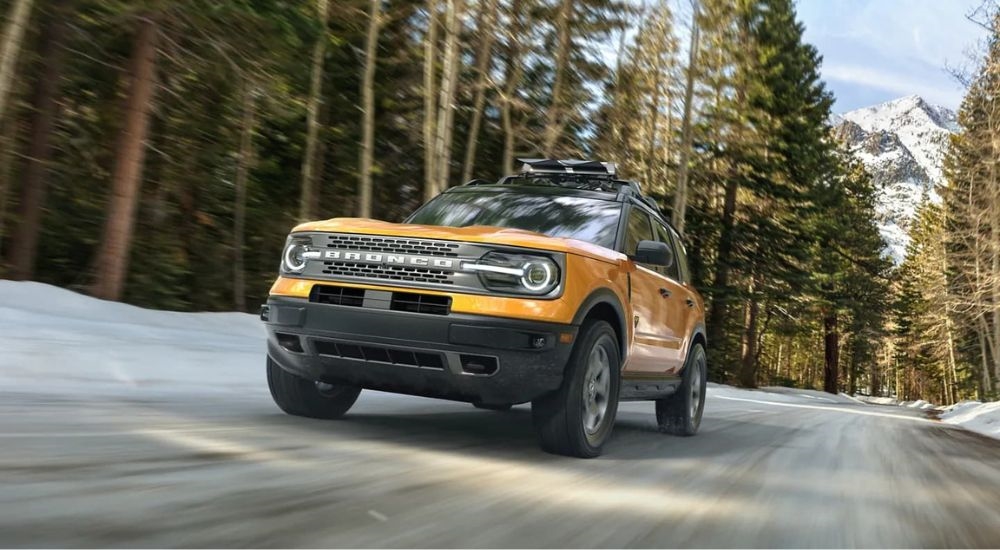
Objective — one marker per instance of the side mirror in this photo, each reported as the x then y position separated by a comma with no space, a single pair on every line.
654,253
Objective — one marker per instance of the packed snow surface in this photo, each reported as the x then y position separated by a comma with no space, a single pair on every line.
55,341
58,340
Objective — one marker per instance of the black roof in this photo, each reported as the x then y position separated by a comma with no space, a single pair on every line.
588,178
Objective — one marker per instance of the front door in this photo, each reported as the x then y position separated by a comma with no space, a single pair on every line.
654,345
677,306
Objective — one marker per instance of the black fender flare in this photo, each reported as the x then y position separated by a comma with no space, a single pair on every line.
699,330
697,334
608,297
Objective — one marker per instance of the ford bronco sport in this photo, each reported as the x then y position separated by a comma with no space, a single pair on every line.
561,285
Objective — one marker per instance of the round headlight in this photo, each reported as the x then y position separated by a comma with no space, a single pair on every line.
539,275
294,258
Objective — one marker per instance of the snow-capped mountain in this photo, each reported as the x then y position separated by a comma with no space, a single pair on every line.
902,143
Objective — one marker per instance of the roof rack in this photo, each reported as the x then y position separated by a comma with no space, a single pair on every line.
551,166
600,175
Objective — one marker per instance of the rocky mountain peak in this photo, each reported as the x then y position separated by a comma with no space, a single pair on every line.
902,144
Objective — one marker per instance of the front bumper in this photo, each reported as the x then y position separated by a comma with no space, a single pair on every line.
463,357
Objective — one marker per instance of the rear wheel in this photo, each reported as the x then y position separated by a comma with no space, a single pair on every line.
577,419
300,397
680,414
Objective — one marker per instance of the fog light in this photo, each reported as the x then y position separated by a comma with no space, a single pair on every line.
290,342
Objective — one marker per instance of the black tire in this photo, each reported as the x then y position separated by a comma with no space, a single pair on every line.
680,414
502,407
300,397
560,416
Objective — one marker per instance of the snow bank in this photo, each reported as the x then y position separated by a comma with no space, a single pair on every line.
61,341
979,417
877,400
918,404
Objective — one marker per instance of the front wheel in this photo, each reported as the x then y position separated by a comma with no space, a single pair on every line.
680,414
577,419
300,397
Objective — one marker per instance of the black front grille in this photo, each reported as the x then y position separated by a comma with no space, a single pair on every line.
387,272
421,303
337,295
393,245
379,354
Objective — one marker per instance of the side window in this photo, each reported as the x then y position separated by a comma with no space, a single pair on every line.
638,230
682,259
672,270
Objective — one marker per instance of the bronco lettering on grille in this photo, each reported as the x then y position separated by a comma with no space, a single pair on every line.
391,259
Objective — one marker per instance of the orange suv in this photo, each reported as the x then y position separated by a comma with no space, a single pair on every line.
562,286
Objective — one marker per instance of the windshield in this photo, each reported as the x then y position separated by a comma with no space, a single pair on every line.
591,220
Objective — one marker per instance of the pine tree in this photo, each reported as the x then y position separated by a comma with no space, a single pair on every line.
778,151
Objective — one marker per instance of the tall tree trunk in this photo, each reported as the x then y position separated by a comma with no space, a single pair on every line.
116,239
777,368
554,119
430,101
680,196
985,383
368,111
650,160
446,99
875,378
307,196
617,141
721,291
513,71
748,351
483,58
831,351
8,141
243,165
853,371
24,241
13,38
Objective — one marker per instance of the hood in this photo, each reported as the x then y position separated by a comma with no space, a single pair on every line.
472,234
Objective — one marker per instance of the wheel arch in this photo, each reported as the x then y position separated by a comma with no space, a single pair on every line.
604,304
698,336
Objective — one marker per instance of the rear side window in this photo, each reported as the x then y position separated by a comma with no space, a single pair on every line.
639,229
672,270
682,259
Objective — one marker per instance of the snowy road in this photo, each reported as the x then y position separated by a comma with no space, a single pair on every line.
127,428
216,469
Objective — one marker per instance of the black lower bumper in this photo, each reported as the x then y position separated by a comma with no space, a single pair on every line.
471,358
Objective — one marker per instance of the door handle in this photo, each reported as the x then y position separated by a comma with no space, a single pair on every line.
665,293
689,302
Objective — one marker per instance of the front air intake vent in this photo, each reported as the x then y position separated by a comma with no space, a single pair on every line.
337,295
410,302
379,354
421,303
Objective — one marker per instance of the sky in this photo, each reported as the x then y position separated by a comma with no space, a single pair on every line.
878,50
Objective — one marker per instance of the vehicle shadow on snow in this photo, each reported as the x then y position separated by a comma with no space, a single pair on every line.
510,434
